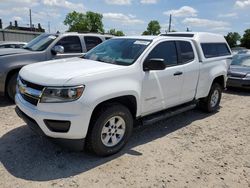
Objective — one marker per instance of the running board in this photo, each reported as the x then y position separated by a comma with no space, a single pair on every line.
150,119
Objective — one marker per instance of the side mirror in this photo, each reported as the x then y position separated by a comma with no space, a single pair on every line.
58,49
154,64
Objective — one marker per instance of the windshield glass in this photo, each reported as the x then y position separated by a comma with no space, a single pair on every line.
41,42
118,51
241,60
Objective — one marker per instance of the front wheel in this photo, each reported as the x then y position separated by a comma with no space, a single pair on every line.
11,87
212,101
110,130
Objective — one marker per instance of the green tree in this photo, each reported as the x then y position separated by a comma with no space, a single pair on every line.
94,22
232,38
115,33
119,33
153,28
245,41
79,22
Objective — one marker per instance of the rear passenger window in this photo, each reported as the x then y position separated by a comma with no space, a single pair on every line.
186,51
166,51
215,49
71,44
92,42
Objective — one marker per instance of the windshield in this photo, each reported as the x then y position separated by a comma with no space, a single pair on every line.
241,60
41,42
118,51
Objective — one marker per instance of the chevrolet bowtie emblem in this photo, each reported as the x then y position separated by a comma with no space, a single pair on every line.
22,89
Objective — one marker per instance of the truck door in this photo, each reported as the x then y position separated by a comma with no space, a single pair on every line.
72,47
162,88
190,63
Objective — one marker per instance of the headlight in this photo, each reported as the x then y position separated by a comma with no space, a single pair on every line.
63,94
248,76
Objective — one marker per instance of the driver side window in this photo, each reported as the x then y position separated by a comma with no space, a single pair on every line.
166,51
71,44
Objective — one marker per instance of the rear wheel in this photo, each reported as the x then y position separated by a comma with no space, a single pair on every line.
110,130
212,101
11,87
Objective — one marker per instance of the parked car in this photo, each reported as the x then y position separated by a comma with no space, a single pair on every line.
11,44
96,98
239,72
239,50
42,48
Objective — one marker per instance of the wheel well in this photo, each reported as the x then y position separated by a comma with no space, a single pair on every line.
9,75
220,80
129,101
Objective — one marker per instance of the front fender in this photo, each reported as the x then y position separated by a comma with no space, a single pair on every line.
105,91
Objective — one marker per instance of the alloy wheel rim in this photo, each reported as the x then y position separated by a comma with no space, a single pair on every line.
214,98
113,131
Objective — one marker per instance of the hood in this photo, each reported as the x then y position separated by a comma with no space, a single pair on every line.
13,51
21,57
58,72
238,71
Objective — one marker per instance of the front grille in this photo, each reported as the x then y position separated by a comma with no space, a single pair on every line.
32,85
31,97
236,74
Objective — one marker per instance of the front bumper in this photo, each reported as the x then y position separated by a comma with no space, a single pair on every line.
238,82
72,144
74,112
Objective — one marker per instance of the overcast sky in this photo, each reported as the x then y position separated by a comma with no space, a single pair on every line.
132,16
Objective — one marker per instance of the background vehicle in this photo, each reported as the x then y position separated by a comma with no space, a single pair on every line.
239,50
12,44
239,72
42,48
97,97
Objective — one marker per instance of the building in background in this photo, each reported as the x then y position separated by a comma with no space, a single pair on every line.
18,33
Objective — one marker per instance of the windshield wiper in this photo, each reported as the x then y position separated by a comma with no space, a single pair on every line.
27,48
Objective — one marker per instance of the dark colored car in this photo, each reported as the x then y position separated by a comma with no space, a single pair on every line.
239,72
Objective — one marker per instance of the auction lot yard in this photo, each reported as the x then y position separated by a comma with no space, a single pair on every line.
192,149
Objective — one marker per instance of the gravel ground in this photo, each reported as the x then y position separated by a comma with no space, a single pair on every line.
192,149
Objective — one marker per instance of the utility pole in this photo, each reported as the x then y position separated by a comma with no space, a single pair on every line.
30,21
170,22
49,27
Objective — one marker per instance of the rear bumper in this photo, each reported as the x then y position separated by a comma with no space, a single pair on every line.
72,144
238,82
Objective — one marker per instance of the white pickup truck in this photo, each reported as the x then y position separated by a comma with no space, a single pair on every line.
95,99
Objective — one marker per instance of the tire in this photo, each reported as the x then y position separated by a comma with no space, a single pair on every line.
212,101
105,126
11,87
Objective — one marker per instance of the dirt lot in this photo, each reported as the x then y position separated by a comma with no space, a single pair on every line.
190,150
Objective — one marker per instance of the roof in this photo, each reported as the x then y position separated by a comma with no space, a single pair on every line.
11,42
85,34
200,37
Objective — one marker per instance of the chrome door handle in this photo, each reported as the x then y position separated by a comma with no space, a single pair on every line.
178,73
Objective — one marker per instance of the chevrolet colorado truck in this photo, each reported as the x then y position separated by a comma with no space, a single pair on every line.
43,48
94,100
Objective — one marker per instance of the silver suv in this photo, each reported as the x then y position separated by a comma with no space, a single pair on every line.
43,48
